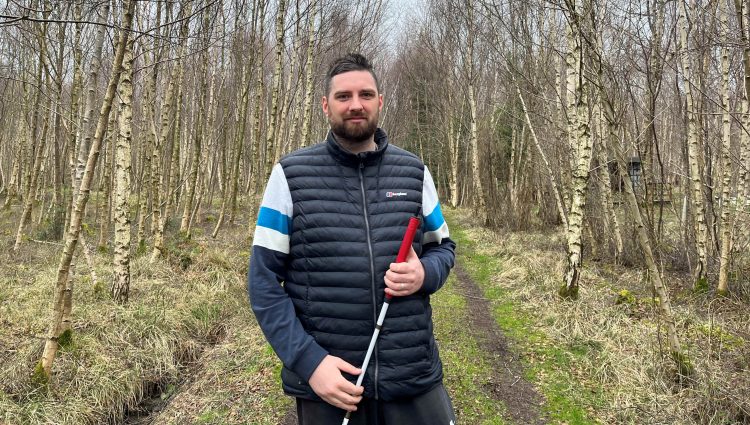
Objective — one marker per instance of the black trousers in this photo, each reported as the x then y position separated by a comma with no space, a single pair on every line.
431,408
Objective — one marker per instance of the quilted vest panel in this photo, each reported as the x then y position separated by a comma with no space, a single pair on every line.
350,213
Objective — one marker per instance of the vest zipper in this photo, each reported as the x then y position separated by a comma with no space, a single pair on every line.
372,267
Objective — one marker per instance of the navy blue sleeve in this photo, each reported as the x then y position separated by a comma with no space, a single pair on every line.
275,313
437,260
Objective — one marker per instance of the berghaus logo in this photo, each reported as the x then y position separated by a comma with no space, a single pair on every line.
394,194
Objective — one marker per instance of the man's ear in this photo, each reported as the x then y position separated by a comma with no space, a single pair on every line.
324,104
380,102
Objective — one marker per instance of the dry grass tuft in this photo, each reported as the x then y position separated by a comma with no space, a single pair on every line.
618,350
120,355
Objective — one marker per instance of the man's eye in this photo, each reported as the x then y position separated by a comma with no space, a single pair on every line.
368,95
342,96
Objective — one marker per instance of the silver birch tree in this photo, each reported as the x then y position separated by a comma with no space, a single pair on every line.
44,367
694,152
121,274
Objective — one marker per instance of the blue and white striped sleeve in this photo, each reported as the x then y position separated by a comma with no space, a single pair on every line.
272,306
435,227
438,250
275,214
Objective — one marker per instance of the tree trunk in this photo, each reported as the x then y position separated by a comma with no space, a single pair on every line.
121,264
547,166
197,139
44,368
57,217
454,133
40,142
684,365
309,66
726,205
694,152
605,189
106,184
581,142
157,221
274,111
288,97
742,179
480,203
148,111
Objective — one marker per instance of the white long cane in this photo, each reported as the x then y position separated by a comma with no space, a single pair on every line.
403,251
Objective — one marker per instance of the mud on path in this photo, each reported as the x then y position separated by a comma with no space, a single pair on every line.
507,385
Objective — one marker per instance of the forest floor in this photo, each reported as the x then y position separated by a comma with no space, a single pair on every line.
187,350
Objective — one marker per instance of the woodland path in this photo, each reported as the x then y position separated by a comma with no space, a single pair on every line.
506,385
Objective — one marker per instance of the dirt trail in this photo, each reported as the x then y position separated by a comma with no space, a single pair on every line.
507,385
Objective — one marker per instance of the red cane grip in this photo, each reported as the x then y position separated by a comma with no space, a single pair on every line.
403,251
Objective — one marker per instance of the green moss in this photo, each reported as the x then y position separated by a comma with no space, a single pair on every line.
39,378
722,293
168,392
142,248
568,293
701,286
220,260
65,340
99,288
685,367
717,334
625,297
212,416
185,261
653,301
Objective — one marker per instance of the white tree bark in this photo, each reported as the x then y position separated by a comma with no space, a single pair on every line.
309,67
276,87
480,203
44,367
121,274
694,153
157,222
726,205
197,137
741,224
580,141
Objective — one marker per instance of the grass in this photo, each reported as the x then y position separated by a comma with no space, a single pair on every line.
188,331
177,317
597,360
563,396
466,367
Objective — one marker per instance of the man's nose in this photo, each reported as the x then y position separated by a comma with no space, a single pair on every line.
355,104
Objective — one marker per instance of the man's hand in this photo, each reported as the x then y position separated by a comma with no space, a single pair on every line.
331,386
404,279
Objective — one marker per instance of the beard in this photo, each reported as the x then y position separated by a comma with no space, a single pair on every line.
355,132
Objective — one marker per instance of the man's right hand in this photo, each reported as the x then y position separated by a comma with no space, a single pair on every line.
331,386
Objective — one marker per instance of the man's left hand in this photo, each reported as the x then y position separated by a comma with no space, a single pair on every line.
406,278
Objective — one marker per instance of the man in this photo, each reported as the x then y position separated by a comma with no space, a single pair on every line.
329,228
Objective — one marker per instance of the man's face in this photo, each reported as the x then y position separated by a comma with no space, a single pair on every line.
353,106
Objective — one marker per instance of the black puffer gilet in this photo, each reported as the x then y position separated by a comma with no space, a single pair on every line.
350,214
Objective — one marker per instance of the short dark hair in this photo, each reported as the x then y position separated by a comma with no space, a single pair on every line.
349,62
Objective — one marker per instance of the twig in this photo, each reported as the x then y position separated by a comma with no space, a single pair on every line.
47,242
